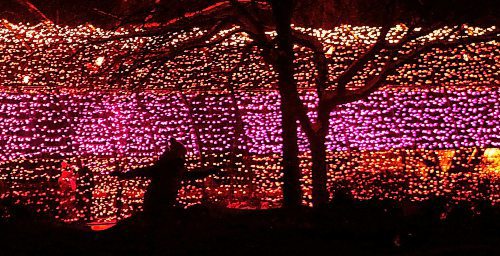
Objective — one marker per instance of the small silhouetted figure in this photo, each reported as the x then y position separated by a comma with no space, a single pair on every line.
483,203
84,187
342,196
166,176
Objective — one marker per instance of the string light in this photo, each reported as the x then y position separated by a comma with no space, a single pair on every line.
26,79
441,104
99,61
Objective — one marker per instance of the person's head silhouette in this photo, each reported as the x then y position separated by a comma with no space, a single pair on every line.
172,141
177,149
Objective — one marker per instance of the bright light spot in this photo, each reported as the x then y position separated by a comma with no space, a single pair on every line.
466,57
330,50
26,79
492,156
446,157
492,153
100,227
91,27
99,61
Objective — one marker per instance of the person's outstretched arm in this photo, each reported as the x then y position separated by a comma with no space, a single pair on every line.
144,172
200,173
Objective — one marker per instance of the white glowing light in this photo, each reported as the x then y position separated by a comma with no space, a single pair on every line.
99,61
26,79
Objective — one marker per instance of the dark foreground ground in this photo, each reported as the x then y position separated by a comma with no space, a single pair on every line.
362,228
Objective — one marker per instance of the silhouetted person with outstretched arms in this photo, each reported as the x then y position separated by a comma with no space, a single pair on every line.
166,176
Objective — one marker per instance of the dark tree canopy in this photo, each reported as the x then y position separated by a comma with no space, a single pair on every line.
308,13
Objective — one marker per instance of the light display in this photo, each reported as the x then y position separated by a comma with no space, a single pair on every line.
442,106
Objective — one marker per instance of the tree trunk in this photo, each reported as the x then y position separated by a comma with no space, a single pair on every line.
292,194
319,168
194,127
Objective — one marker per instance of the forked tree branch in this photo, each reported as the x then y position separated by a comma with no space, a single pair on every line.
208,16
376,82
33,9
358,64
319,58
159,58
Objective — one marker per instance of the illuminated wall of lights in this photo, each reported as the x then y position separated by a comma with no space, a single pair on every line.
445,105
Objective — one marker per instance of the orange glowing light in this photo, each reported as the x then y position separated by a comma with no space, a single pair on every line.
492,156
101,226
330,50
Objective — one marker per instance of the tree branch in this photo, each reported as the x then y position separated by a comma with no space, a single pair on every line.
161,57
375,83
411,35
246,52
358,64
254,22
304,120
320,60
33,9
209,11
213,14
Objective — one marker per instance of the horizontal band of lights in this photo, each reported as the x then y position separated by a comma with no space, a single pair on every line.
55,56
432,131
368,139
